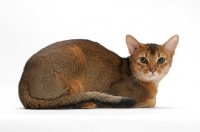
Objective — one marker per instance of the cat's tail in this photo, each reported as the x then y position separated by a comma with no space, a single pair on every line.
72,101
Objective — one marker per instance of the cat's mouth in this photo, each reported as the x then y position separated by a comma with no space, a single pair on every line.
148,76
151,76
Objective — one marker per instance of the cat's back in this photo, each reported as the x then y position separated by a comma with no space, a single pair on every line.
88,47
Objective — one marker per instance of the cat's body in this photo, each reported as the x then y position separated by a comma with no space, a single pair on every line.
84,74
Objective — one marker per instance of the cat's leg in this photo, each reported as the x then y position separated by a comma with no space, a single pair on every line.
146,103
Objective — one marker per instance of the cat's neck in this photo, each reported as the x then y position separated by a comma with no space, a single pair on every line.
125,68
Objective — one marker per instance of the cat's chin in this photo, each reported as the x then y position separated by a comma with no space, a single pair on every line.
151,77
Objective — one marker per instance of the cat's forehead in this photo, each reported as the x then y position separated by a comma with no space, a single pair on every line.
152,49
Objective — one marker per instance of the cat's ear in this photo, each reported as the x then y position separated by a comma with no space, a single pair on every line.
171,44
132,44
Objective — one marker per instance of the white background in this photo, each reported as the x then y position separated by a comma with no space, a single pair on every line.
26,26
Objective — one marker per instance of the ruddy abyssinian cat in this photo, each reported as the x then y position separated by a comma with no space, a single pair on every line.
83,74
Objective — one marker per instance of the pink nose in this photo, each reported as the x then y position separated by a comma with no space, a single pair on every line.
152,70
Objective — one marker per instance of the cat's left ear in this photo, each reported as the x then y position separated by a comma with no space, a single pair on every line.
171,44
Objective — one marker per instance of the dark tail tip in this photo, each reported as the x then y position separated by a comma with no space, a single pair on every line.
123,103
127,103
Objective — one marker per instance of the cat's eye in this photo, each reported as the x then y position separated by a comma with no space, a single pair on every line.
161,60
143,60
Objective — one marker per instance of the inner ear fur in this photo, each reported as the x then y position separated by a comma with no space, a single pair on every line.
132,44
171,44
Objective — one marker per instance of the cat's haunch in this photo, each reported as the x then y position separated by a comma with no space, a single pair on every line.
83,74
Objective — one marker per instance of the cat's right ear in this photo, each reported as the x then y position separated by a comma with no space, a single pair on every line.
132,44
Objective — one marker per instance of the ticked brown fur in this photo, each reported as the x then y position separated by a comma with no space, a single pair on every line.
84,74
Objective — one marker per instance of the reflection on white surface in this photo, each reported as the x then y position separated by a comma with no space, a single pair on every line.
13,117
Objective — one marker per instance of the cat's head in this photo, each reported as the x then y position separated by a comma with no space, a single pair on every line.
150,62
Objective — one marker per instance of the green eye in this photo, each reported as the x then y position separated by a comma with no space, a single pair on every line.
143,60
161,60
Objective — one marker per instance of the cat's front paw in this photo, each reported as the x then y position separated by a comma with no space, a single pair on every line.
148,103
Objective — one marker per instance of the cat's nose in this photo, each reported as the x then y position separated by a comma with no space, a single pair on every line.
152,70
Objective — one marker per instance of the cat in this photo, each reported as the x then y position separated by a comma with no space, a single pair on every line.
83,74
